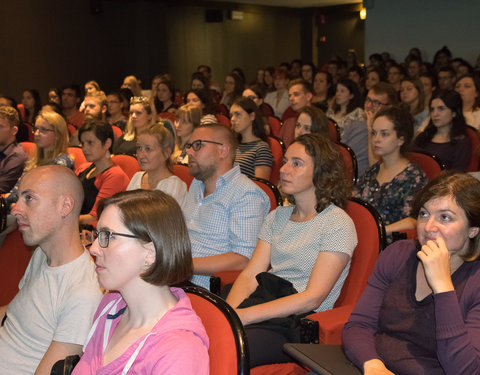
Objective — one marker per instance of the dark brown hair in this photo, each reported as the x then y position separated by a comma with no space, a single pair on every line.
156,217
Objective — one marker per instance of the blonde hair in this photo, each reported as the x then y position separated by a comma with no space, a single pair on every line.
130,131
164,138
99,96
47,156
188,113
136,88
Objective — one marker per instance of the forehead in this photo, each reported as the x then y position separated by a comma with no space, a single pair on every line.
304,118
137,107
69,92
383,122
248,92
296,89
111,218
90,100
437,102
192,96
297,150
4,122
37,183
380,97
147,138
466,80
443,204
202,133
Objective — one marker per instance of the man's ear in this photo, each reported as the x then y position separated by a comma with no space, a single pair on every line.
104,109
67,203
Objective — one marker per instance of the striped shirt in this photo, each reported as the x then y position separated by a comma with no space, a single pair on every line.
253,154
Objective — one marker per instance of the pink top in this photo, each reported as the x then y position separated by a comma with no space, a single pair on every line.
177,344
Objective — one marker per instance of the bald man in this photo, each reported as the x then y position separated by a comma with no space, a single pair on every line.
224,209
51,315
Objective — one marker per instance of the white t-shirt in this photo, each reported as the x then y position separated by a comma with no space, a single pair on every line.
172,185
53,304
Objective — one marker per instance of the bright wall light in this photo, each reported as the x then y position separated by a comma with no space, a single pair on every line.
363,14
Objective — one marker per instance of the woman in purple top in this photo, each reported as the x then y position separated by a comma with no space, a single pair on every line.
146,327
420,312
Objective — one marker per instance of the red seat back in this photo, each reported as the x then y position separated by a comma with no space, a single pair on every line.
222,119
429,163
350,161
334,130
77,155
128,164
472,135
271,191
118,132
275,125
167,115
181,171
278,150
30,148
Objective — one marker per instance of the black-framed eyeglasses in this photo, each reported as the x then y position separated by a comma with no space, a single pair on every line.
104,237
199,143
42,130
374,102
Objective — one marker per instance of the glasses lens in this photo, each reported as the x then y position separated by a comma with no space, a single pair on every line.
197,145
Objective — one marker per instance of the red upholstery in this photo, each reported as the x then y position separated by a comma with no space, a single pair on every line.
283,369
224,120
71,129
118,132
287,132
167,115
128,163
278,150
289,113
77,155
14,258
275,125
30,148
334,130
350,160
181,171
271,190
227,351
222,109
429,163
472,135
267,110
31,134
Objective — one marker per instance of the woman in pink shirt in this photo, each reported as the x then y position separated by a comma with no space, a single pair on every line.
146,327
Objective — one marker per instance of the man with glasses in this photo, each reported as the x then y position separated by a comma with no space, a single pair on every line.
356,133
51,315
224,209
12,155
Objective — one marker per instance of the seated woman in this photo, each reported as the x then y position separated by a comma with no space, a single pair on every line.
308,246
187,118
469,89
51,138
32,105
202,99
115,103
253,153
278,99
390,185
322,90
142,115
419,311
445,134
347,103
154,149
100,178
412,97
164,96
133,84
232,89
374,76
146,326
311,120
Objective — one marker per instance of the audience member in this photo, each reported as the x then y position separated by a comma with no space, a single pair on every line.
202,99
54,96
413,101
278,99
469,89
187,118
446,78
232,89
164,96
133,84
390,185
12,155
224,209
268,79
199,81
374,76
253,154
303,252
100,177
395,76
32,104
418,312
115,104
308,72
445,134
141,248
323,90
50,316
71,98
207,73
356,133
312,120
142,115
154,150
429,83
23,133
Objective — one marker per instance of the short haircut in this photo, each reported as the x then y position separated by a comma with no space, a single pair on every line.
403,124
99,96
102,131
448,69
73,86
329,172
227,134
385,88
10,114
465,190
156,217
307,86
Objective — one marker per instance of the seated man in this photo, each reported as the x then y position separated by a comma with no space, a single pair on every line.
12,155
71,98
224,209
51,315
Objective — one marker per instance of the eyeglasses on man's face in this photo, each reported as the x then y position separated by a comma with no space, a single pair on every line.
199,143
374,102
104,237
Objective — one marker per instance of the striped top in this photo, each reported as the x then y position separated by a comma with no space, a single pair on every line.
253,154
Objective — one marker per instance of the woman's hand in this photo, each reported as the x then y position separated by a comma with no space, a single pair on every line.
436,263
242,315
375,367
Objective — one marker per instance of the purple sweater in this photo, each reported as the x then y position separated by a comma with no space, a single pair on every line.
456,319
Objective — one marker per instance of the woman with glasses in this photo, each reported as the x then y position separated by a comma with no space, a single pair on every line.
253,153
146,326
100,178
303,253
154,151
51,139
142,115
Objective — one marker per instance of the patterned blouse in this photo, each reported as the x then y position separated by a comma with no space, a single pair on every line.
393,200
